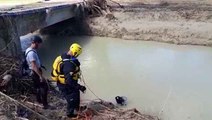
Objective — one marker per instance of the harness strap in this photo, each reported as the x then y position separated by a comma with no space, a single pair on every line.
63,60
30,51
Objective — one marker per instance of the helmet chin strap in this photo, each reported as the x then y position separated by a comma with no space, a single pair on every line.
75,53
70,53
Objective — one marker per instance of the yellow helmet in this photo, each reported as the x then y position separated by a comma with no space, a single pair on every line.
76,49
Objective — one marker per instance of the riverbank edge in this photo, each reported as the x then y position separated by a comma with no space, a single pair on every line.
183,31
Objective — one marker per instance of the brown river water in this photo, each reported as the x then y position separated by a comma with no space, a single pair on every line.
170,81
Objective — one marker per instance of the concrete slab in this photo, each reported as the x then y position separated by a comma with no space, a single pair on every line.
17,8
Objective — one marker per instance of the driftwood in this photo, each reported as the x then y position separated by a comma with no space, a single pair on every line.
34,106
21,118
11,82
96,7
18,103
8,65
103,110
121,6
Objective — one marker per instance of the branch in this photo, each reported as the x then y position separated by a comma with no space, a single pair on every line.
15,101
117,3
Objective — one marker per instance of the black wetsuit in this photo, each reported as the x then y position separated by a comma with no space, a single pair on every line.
70,89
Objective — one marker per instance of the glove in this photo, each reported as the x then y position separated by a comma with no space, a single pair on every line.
82,88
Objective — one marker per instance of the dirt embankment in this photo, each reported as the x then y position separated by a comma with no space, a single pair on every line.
179,23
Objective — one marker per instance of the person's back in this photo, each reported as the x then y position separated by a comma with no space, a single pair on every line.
67,82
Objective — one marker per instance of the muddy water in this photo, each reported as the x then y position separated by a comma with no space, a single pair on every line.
171,81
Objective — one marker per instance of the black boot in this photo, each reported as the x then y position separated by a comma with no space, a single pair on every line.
38,96
72,115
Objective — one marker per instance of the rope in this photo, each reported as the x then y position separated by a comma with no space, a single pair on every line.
165,102
83,79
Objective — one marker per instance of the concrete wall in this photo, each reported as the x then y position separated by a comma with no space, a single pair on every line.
10,42
30,22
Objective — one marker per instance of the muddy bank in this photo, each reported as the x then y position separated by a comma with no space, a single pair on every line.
186,23
178,23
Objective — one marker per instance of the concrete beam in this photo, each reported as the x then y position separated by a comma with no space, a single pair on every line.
33,21
57,15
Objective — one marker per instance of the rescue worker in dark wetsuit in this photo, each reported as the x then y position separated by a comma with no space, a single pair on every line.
66,71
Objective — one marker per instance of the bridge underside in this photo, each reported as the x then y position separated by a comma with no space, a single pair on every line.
14,24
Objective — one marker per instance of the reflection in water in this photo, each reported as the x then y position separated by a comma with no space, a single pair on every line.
153,76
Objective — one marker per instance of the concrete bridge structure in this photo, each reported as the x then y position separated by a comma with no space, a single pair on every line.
20,20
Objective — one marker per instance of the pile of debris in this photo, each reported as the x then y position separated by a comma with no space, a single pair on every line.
17,100
102,110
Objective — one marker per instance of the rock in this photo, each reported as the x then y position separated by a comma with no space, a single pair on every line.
5,80
110,16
